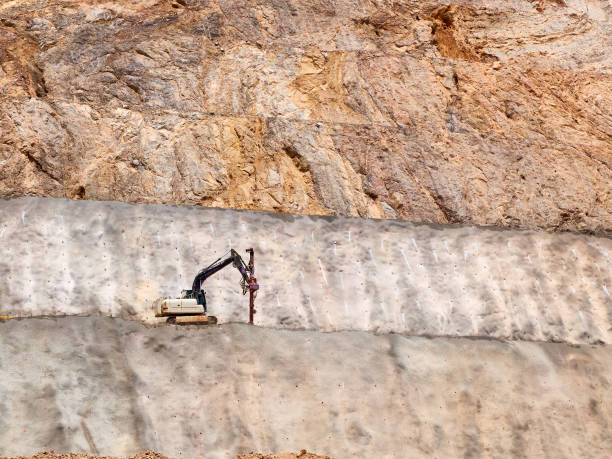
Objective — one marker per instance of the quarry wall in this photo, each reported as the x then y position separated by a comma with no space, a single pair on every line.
472,111
444,341
105,258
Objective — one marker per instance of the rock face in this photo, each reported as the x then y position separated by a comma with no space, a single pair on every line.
480,112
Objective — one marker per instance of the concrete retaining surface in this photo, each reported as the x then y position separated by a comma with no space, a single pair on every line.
115,387
318,273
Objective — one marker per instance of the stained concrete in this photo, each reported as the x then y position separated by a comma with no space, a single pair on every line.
318,273
114,387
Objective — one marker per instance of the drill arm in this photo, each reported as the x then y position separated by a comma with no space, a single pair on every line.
248,281
217,266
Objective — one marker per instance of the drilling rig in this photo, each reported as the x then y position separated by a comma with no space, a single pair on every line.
190,308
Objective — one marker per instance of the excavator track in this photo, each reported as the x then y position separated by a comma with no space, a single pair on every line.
192,320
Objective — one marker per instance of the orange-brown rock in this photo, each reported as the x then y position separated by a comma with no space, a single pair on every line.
482,112
301,455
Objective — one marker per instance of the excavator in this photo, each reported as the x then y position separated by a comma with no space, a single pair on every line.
190,308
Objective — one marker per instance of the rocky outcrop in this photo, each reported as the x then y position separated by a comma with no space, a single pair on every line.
479,112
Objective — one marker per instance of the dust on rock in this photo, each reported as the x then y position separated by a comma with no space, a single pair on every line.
153,455
53,455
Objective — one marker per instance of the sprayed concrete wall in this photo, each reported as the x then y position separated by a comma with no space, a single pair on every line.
112,386
115,386
320,273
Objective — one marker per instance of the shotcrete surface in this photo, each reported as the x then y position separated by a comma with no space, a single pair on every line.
321,273
116,387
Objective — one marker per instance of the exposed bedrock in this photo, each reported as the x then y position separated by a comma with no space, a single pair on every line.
116,387
479,112
59,256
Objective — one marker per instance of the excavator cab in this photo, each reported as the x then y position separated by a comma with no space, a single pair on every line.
200,297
